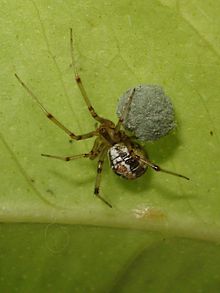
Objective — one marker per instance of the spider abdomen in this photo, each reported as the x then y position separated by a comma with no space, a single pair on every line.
126,163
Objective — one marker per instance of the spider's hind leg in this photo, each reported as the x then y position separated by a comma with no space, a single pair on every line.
158,169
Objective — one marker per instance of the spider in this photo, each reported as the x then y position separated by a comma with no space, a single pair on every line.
126,156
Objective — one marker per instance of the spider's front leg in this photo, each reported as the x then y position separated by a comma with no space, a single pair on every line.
125,110
98,176
52,118
80,84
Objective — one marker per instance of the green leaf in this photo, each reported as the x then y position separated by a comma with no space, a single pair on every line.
162,233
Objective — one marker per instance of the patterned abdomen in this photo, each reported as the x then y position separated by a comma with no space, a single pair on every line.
125,163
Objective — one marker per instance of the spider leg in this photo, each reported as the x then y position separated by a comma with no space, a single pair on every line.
157,168
125,110
80,84
98,177
90,155
52,118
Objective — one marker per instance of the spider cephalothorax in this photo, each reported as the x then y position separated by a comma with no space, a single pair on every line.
127,158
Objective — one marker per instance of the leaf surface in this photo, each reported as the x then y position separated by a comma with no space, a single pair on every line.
160,227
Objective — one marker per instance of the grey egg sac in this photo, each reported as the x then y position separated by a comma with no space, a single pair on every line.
151,114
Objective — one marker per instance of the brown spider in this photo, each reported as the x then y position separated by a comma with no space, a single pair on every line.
127,158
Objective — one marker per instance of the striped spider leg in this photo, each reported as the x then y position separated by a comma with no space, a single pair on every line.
52,118
125,110
80,84
101,160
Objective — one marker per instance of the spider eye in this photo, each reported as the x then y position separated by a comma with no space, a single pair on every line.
102,130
